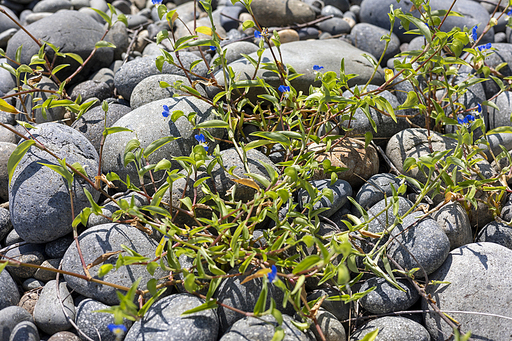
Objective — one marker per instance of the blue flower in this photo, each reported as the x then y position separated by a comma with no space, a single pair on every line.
466,120
317,67
202,140
484,47
117,329
213,48
509,13
474,35
479,107
257,34
165,113
284,88
272,275
156,2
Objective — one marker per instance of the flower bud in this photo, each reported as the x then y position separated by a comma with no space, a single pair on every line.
493,22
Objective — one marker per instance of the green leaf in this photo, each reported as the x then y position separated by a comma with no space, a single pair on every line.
4,106
131,145
17,155
105,269
103,15
96,209
410,102
122,18
103,43
113,130
273,136
155,145
259,307
213,124
307,263
58,68
500,130
371,336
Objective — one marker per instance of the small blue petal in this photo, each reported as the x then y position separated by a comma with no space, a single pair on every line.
283,88
479,107
205,148
213,48
488,45
117,328
272,275
460,120
509,13
257,34
165,113
470,118
200,138
317,67
156,2
474,35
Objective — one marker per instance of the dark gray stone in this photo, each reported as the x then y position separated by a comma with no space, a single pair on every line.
32,283
46,275
10,294
420,243
5,223
98,240
386,126
479,275
51,6
74,32
308,33
367,38
6,150
25,331
341,190
302,55
501,117
385,219
26,253
38,196
332,329
234,50
454,221
6,135
12,238
92,89
495,232
331,10
7,83
163,321
48,313
244,296
262,329
334,26
386,297
393,328
228,14
92,123
375,188
64,336
57,248
342,5
10,317
149,89
133,72
148,125
95,324
118,35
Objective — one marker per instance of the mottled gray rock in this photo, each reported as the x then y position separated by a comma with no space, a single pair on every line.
341,190
386,297
235,50
48,313
149,89
342,5
98,240
12,238
51,6
92,123
338,308
9,318
148,125
10,294
495,232
92,89
332,329
74,32
331,10
385,219
25,331
6,150
5,22
46,275
228,14
334,26
479,275
302,55
244,296
501,117
413,142
454,221
5,223
64,336
57,248
386,126
6,135
38,196
367,38
26,253
163,321
281,12
393,328
262,329
133,72
495,140
32,283
95,324
375,12
375,188
420,243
